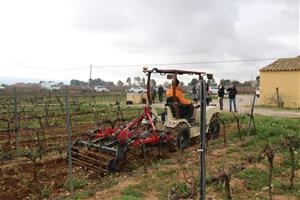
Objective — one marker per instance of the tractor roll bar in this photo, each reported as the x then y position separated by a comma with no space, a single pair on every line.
176,72
173,71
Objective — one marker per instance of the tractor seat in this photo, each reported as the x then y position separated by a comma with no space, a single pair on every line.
170,103
185,112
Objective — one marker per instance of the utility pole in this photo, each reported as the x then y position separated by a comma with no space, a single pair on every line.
90,80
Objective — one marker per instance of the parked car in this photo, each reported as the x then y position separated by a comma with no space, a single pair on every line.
214,90
55,87
137,90
2,87
100,88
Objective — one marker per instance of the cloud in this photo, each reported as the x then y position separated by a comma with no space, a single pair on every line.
40,39
161,27
204,28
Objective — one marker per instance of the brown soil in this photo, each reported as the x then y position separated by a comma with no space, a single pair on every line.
235,182
284,197
16,176
18,183
150,195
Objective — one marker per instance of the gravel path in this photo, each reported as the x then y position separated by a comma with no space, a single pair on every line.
244,106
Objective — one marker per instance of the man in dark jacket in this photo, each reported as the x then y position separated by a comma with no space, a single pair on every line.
231,94
153,94
221,93
194,90
160,93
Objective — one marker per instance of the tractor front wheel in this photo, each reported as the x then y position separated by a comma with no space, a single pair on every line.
183,138
214,127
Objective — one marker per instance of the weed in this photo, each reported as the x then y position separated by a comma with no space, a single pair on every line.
218,187
233,150
135,190
77,183
165,173
281,187
166,161
182,188
126,197
159,163
107,184
46,191
80,195
188,155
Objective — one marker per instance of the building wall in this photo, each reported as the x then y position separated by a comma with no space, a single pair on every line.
288,83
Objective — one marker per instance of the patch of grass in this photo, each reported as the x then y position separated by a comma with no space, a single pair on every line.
46,191
166,161
237,189
107,184
165,173
282,187
158,164
77,183
252,146
227,117
287,163
126,197
188,155
80,183
135,190
81,195
163,186
182,188
255,179
233,150
218,187
208,178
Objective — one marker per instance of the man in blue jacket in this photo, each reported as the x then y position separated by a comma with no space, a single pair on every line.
232,100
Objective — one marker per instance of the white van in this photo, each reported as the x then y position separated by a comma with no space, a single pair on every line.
100,88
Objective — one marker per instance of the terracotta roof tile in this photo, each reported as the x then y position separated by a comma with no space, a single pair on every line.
283,64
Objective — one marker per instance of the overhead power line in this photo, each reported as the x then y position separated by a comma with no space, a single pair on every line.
161,64
190,63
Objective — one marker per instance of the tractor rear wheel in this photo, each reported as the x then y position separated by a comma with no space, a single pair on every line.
181,136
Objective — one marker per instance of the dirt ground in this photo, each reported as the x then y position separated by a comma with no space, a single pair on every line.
54,172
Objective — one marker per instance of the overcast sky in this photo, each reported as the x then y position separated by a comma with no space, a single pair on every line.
59,39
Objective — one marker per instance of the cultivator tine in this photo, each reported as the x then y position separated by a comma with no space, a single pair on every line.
93,156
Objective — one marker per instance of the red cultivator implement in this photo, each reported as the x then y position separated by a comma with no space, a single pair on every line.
106,149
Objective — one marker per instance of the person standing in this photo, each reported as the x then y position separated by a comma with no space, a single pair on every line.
194,90
232,94
221,92
208,92
160,93
153,94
